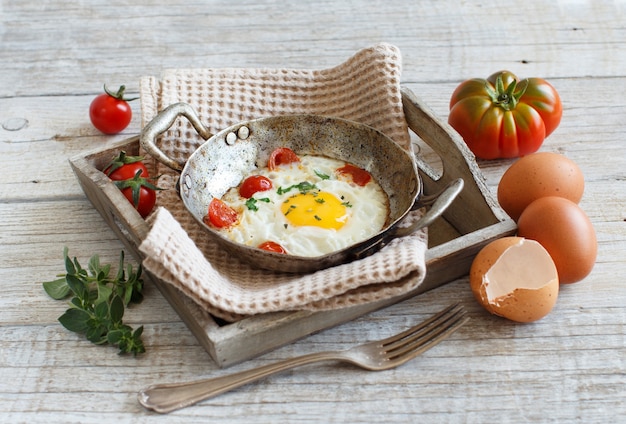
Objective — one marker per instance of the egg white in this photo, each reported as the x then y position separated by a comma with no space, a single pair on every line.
367,211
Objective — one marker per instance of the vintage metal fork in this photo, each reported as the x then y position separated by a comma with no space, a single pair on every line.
377,355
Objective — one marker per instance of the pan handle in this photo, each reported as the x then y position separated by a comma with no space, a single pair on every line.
438,203
161,123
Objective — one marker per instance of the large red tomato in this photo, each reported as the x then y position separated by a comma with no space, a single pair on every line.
503,117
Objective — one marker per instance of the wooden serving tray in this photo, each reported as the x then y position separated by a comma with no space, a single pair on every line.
473,220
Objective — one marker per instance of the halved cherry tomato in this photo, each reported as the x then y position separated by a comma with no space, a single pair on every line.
503,117
220,214
359,176
272,246
254,184
281,156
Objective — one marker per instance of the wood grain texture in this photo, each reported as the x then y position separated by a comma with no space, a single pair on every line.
56,54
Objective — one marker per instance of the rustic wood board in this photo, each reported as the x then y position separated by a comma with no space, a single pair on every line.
473,220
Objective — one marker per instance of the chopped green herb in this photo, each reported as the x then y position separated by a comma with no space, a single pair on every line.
303,187
320,200
251,203
322,175
317,217
347,204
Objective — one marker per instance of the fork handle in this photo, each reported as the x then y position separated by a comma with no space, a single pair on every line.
165,398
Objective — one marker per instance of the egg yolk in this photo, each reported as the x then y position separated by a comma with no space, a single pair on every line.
319,209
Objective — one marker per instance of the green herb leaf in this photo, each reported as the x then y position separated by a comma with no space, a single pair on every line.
116,310
57,289
77,286
75,320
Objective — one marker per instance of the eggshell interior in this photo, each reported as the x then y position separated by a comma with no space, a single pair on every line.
515,278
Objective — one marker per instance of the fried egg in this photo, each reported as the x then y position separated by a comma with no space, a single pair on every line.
310,210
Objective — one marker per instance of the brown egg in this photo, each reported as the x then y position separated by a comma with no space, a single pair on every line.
539,175
565,231
515,278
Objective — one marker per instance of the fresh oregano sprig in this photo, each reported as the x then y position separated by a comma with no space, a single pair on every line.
98,301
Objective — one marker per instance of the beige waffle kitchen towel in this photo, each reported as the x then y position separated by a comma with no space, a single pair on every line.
365,88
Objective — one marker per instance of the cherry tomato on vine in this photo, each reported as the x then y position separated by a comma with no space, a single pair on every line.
272,246
220,215
140,193
254,184
110,112
131,176
124,167
281,156
503,117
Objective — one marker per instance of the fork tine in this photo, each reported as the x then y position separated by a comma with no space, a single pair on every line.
421,325
417,347
418,339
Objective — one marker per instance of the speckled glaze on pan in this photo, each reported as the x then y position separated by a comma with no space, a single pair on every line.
227,157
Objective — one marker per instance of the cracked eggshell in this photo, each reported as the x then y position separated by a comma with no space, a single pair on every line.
515,278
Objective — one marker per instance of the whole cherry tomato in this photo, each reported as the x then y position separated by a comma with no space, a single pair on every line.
130,175
140,193
220,215
110,112
281,156
272,246
503,117
254,184
124,167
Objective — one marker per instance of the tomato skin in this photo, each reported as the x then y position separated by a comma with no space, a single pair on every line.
254,184
272,246
127,171
281,156
147,199
496,121
110,113
359,176
220,215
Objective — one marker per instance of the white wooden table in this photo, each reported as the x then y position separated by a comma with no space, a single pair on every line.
55,57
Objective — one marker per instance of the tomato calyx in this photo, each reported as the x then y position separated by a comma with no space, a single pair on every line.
507,98
119,95
135,184
121,160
